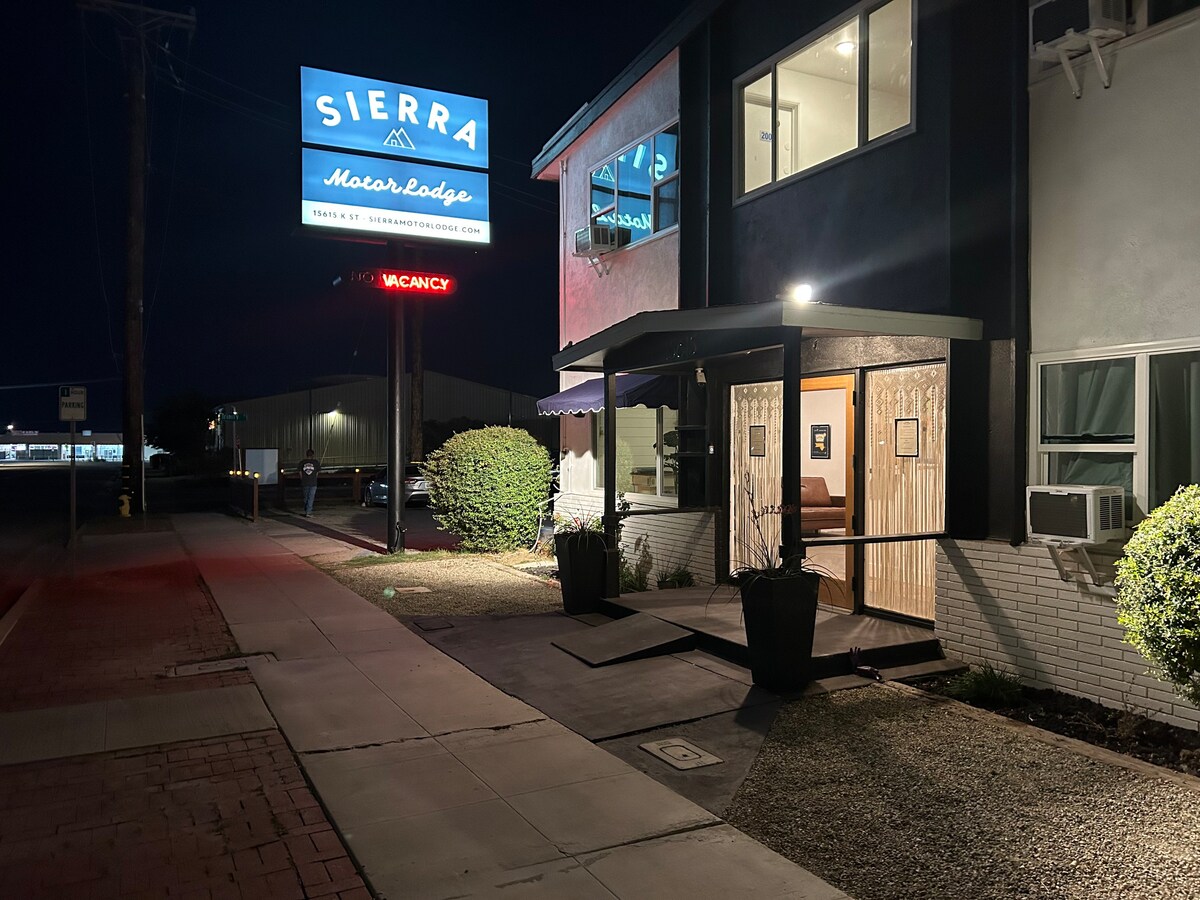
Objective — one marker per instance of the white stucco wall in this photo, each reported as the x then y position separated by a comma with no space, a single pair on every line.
1115,197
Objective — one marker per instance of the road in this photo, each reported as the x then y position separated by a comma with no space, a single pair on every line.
35,501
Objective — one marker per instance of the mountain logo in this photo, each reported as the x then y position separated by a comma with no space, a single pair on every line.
399,138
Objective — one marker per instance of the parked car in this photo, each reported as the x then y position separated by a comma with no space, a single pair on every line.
375,491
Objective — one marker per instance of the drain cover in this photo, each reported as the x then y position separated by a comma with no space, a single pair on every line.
680,753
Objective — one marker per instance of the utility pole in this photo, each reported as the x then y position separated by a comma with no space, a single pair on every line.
135,26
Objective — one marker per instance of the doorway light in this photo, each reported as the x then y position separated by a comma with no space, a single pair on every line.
845,48
801,293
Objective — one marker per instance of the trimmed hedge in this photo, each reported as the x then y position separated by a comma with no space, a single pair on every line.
490,486
1158,591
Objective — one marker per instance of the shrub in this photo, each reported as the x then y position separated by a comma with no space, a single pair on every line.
986,686
1158,591
490,486
675,577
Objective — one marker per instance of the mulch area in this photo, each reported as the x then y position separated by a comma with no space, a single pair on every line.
892,794
110,635
228,817
1123,731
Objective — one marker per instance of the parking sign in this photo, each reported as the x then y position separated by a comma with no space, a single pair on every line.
72,404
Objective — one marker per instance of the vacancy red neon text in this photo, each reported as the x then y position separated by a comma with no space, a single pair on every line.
414,282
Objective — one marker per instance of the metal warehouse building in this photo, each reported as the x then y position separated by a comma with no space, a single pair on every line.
346,423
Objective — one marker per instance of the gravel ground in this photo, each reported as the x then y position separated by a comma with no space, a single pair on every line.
461,585
887,796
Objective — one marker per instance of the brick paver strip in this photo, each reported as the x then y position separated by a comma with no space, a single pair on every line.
228,817
110,635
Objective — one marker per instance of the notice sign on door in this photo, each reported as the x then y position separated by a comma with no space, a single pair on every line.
908,437
72,404
758,440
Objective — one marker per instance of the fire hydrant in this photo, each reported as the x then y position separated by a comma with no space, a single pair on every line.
123,505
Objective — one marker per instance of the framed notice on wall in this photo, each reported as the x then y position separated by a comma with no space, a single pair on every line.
758,440
818,445
908,437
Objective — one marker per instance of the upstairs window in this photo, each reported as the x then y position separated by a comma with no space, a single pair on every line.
833,94
637,192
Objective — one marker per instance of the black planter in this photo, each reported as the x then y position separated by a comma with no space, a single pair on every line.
581,569
780,614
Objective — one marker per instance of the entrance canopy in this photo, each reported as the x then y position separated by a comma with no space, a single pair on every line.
675,337
632,390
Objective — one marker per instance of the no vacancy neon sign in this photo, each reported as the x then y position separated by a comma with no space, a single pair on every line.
405,282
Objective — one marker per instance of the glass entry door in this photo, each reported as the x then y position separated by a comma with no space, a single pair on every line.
905,485
827,479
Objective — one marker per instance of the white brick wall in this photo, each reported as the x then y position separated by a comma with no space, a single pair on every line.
1008,606
658,542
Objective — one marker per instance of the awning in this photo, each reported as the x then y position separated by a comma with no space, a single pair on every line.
632,390
680,338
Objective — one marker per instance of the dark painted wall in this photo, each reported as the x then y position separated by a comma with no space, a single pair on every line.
934,221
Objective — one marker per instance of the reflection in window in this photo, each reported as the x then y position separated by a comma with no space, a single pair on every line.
604,194
637,192
890,68
1174,423
634,168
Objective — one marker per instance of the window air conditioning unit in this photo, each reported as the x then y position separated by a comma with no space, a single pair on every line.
1075,514
1072,25
594,239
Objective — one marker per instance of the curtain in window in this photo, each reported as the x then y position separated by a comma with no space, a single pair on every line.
1088,402
1175,423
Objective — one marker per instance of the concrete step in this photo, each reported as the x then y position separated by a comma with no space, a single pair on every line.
923,669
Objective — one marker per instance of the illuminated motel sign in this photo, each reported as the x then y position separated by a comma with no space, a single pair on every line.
426,175
405,282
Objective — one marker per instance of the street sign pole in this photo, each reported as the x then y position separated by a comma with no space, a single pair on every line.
72,407
72,538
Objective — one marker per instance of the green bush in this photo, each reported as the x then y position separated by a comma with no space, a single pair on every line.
1158,591
490,486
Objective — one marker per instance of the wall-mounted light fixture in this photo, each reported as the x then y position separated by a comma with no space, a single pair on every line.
801,293
700,377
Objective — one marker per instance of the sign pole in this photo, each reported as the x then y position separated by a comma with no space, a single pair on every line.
396,443
72,536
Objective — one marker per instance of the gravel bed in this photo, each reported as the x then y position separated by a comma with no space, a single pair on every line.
461,585
887,795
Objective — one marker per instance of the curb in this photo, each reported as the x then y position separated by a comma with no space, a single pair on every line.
1091,751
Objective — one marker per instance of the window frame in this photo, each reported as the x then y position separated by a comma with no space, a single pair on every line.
1038,469
862,12
611,160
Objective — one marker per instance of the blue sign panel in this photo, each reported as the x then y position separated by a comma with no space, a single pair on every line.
392,119
387,196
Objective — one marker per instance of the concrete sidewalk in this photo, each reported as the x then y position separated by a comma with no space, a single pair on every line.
440,784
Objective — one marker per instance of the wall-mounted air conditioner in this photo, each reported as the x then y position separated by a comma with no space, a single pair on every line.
1068,24
594,239
1075,514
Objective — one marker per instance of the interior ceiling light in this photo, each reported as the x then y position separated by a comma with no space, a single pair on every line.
846,48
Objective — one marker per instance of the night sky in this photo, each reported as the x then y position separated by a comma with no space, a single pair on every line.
237,302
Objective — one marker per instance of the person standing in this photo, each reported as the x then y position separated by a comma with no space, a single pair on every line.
310,468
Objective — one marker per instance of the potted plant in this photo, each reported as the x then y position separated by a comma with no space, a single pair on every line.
582,557
779,605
